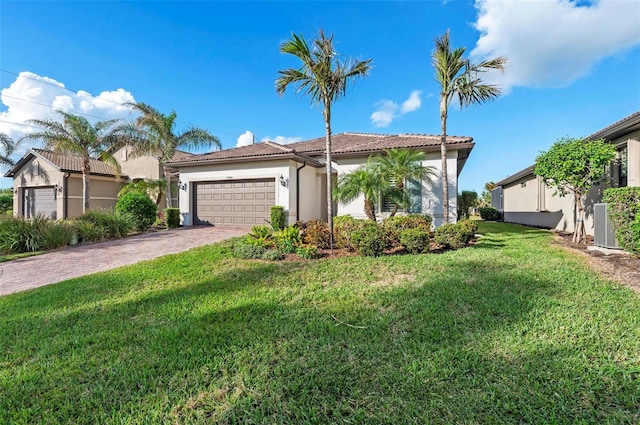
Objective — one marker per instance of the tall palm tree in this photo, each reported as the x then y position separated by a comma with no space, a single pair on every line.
7,146
76,135
460,78
156,135
400,165
367,181
324,76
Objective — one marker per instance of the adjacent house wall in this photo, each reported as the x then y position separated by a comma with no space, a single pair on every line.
136,168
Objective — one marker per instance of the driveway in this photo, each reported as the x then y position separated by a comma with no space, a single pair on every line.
33,272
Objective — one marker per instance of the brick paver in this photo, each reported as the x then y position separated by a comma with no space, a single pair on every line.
33,272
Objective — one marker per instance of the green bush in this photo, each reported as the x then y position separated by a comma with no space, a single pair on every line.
99,225
394,226
489,214
415,241
344,228
307,251
140,206
247,250
316,232
173,217
369,240
272,255
6,202
19,235
278,218
261,236
470,227
287,239
451,235
623,208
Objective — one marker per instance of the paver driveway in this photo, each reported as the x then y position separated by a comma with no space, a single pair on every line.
32,272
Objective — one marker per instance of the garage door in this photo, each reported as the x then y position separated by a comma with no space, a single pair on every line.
237,202
39,200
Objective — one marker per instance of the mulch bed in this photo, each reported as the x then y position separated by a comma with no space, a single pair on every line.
622,268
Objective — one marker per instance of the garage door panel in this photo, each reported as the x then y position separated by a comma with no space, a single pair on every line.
39,201
239,202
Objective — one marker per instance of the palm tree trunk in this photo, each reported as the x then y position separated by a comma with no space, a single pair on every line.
443,155
86,172
327,124
168,191
369,209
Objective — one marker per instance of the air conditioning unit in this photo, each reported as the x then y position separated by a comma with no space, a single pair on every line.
604,234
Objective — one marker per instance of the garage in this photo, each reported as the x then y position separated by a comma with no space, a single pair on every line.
236,202
39,201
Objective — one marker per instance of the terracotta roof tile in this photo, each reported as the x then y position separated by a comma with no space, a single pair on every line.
70,162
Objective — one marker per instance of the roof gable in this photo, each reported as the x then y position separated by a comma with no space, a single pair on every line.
63,162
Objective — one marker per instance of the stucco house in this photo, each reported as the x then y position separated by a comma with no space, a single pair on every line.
524,198
238,186
50,183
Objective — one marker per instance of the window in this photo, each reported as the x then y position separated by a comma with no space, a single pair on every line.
414,191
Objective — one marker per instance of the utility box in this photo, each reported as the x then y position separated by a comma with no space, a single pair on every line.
603,232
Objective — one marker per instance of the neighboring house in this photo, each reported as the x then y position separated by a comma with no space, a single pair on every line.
524,198
50,183
238,186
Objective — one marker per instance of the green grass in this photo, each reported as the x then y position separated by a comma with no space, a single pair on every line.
9,257
512,330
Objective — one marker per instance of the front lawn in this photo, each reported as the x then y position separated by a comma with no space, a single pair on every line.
512,330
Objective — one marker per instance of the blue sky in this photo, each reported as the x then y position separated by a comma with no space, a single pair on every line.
573,69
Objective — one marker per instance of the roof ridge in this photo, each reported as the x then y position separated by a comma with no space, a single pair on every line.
278,146
360,133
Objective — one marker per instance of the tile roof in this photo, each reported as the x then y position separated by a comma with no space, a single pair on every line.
618,128
73,163
343,144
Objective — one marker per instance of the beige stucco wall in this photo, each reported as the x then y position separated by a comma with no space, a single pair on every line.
633,161
36,173
103,193
144,167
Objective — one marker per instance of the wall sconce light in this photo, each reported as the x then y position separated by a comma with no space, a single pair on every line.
284,182
58,187
182,186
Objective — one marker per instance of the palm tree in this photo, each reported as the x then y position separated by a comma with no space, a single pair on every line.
153,188
76,135
324,76
400,165
155,134
460,78
368,181
7,146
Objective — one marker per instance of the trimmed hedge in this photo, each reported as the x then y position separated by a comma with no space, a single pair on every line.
394,226
455,235
489,214
415,241
344,228
173,217
140,206
278,218
624,212
315,232
369,240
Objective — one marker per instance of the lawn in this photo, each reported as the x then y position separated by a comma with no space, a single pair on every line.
512,330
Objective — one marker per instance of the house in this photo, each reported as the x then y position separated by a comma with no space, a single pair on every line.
238,186
524,198
50,183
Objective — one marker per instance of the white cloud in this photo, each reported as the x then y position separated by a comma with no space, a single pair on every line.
32,96
413,103
554,42
388,110
282,139
245,139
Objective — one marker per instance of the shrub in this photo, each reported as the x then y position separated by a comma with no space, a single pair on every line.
98,225
272,255
140,206
173,217
415,241
623,208
19,235
287,239
451,235
470,227
316,232
344,228
394,226
489,214
6,202
307,251
278,218
261,236
369,240
248,251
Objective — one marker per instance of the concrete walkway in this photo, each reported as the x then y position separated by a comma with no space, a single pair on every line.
33,272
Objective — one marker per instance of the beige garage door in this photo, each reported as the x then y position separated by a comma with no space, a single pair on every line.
236,202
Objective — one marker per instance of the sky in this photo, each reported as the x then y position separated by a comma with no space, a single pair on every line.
573,68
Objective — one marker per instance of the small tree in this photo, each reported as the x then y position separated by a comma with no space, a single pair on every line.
485,196
466,200
368,182
573,166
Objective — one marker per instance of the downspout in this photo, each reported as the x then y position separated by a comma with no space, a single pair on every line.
65,197
304,164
